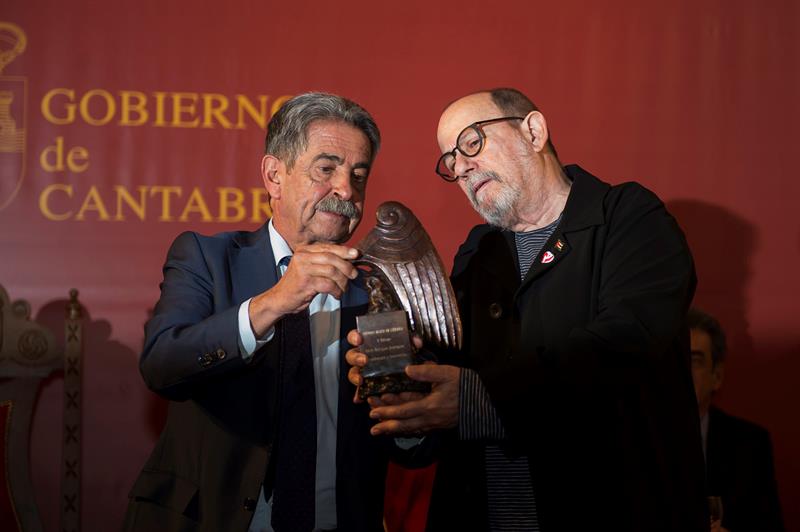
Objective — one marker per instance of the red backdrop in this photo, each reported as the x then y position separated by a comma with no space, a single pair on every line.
141,120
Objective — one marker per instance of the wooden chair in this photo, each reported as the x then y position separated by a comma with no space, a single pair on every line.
29,354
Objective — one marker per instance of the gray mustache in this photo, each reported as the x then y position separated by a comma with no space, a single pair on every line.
338,206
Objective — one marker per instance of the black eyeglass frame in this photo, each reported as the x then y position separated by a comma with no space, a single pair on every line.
478,127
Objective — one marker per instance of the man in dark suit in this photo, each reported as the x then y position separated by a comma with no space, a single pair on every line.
261,433
572,408
738,453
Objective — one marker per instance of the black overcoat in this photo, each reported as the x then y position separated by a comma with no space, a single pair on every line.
587,363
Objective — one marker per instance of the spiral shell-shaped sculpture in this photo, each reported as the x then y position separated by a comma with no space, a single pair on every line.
399,248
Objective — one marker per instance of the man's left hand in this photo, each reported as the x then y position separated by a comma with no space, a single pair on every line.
436,410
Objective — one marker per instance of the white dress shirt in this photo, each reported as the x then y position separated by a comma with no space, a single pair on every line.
325,320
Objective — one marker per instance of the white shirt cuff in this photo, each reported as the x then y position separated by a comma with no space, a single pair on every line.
248,343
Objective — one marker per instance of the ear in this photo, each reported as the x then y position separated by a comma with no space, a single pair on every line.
272,172
717,376
535,130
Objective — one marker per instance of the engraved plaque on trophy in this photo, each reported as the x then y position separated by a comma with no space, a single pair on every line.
408,291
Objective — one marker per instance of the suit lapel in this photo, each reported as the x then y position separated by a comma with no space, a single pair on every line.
252,265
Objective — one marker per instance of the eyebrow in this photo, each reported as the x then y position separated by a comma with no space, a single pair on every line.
338,160
330,157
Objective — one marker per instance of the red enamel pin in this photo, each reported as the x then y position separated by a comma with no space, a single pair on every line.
548,257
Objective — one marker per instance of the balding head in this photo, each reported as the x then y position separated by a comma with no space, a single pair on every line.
493,103
461,113
504,162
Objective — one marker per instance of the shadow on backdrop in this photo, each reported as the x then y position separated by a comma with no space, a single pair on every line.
759,384
110,377
722,244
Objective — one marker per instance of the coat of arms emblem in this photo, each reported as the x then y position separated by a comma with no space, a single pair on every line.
12,115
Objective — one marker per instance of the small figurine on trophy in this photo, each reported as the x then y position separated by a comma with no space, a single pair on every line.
408,290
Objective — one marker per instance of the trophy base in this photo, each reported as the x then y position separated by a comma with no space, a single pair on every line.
392,383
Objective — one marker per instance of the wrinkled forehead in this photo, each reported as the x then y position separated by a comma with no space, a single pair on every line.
338,138
460,114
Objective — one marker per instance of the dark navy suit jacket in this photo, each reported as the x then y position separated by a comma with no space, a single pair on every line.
212,456
740,469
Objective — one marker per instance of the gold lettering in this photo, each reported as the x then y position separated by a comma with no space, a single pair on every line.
56,202
160,109
69,107
93,202
52,158
57,150
259,115
139,108
210,110
124,196
44,201
166,195
75,157
226,204
111,107
260,205
180,106
196,203
99,107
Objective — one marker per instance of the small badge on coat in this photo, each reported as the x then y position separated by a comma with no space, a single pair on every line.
548,257
559,245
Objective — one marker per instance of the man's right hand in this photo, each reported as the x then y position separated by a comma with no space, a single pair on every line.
314,269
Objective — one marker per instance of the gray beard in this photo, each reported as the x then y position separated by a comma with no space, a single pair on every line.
502,212
338,206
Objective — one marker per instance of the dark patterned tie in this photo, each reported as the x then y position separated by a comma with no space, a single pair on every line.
295,470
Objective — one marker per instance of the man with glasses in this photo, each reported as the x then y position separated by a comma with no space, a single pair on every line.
739,464
571,405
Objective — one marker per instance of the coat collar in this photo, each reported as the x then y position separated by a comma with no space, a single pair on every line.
584,208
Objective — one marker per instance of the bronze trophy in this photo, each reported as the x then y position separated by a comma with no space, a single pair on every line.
408,291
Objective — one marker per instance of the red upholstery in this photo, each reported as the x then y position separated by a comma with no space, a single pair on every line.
9,522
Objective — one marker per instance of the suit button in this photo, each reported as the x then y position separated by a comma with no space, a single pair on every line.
204,360
249,504
221,354
495,310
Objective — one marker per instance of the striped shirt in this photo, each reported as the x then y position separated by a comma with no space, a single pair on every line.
510,499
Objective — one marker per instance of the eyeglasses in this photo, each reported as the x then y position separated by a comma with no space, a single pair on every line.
469,143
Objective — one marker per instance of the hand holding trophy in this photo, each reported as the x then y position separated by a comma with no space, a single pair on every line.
408,291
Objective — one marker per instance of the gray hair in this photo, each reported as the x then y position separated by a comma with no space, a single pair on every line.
287,129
